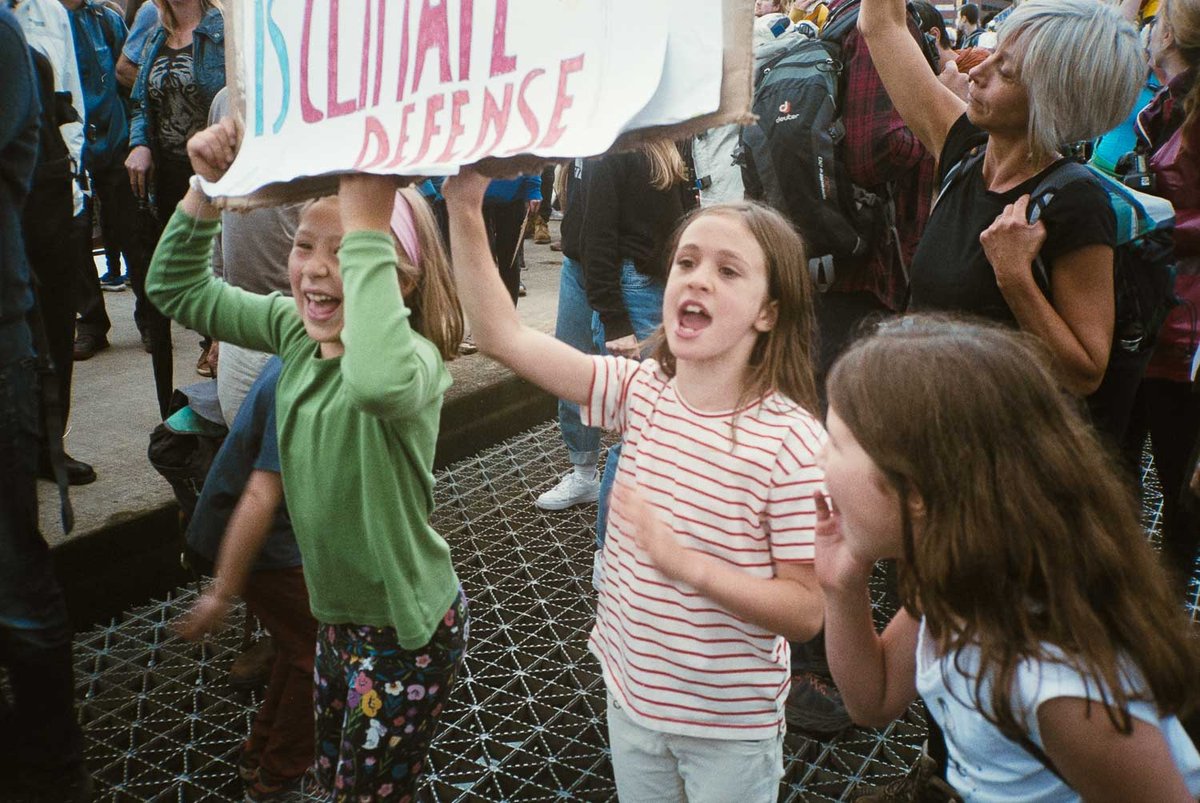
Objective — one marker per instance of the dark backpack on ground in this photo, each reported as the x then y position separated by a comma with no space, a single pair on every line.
792,158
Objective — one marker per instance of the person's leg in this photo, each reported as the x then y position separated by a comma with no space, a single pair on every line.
42,737
93,316
643,297
573,326
841,317
719,770
331,664
282,734
643,766
171,184
1174,420
509,219
392,707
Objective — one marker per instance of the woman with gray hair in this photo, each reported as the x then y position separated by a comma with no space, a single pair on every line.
1063,71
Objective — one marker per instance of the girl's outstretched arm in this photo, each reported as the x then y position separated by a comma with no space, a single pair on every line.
498,331
928,107
1102,764
249,527
877,675
181,282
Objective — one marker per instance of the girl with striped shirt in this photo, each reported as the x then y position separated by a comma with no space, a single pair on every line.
707,565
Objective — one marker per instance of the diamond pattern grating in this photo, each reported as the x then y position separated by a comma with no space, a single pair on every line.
526,720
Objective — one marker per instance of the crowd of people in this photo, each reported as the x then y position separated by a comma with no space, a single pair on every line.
960,406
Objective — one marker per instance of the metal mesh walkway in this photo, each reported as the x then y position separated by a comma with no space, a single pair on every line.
526,721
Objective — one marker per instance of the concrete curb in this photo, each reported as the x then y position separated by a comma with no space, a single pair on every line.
136,558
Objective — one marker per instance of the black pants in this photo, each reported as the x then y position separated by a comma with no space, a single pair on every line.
119,223
170,185
841,318
503,221
547,191
39,735
1170,413
54,247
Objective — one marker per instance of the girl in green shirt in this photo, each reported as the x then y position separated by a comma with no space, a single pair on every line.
364,343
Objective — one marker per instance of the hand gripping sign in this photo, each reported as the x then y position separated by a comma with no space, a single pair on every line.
419,87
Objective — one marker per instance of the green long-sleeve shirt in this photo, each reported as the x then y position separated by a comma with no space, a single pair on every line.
356,433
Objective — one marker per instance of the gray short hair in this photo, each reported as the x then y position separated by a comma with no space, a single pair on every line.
1081,64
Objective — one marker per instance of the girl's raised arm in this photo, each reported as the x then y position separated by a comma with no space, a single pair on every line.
498,331
180,281
877,675
928,107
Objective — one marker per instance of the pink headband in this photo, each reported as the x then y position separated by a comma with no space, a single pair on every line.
405,228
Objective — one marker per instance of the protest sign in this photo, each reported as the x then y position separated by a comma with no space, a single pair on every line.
419,87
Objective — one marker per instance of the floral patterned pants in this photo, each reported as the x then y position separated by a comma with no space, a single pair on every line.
377,705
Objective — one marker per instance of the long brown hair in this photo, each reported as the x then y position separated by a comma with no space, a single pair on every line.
433,301
782,358
166,14
1029,536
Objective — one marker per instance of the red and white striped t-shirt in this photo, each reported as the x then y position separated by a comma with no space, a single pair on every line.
675,660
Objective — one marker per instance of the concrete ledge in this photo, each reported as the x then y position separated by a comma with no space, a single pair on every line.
136,556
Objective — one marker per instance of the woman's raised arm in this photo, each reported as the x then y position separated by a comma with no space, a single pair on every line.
928,107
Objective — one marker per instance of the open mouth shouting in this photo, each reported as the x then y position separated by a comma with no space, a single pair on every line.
691,319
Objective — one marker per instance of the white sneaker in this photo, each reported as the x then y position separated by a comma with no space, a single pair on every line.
571,490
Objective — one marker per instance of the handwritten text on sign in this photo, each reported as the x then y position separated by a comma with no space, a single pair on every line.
422,86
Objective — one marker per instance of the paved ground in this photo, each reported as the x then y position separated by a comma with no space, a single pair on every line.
114,407
525,722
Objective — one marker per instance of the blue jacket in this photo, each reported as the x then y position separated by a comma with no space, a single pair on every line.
507,190
208,65
99,36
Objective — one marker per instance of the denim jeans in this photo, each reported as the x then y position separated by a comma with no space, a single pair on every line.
643,297
574,327
38,733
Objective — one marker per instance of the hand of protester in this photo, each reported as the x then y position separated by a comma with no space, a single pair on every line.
465,189
534,206
954,80
366,202
627,346
837,568
212,150
653,537
140,165
1011,244
206,616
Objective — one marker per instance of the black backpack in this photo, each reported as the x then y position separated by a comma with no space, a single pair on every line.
1143,279
792,157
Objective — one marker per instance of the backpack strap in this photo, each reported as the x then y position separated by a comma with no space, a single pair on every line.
1040,197
958,170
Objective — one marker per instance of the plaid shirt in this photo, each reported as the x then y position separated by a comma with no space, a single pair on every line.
881,150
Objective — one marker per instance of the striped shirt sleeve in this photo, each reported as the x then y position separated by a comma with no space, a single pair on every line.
791,515
611,380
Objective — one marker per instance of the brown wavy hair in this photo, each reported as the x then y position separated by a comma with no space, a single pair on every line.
166,14
782,359
1030,534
